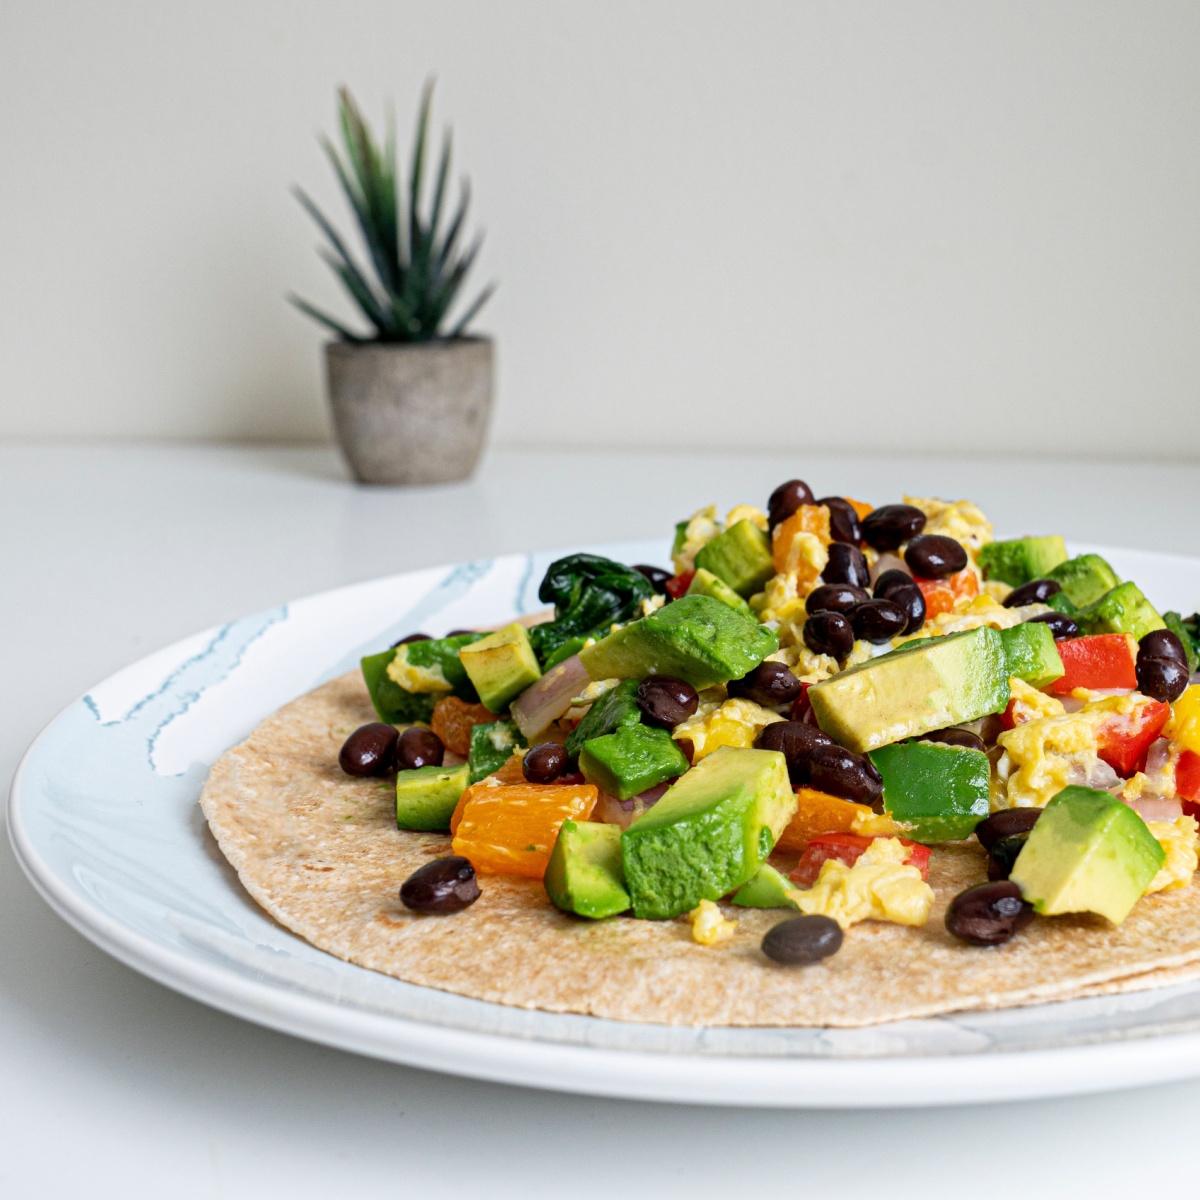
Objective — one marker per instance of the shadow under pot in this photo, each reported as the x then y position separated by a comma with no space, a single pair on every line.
411,413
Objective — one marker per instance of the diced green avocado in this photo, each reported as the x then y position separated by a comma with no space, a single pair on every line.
1174,622
631,760
939,792
696,638
709,833
680,537
570,647
425,798
1032,654
705,583
741,556
616,709
1088,852
1084,578
767,889
501,666
934,683
1022,559
434,666
1062,603
1123,610
584,875
394,705
492,745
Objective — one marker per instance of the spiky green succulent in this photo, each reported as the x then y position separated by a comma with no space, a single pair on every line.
417,269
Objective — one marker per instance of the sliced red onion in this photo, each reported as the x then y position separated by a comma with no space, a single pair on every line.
1158,756
1150,807
550,697
888,562
612,811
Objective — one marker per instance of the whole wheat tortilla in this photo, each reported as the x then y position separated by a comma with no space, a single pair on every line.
321,853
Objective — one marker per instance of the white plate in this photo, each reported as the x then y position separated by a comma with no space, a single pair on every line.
103,817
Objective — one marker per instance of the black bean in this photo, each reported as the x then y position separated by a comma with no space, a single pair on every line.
795,740
1162,643
954,736
988,914
785,499
934,556
886,527
912,600
878,620
1061,626
835,770
412,637
666,701
846,565
460,632
801,940
544,763
770,683
1002,855
843,520
1161,678
445,885
835,597
1008,822
1036,591
657,576
891,581
369,750
829,633
419,747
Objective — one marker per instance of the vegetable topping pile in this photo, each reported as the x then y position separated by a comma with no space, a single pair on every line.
795,716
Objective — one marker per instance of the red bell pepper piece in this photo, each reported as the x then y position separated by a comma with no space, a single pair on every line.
678,585
802,709
1105,660
847,848
1124,741
1187,781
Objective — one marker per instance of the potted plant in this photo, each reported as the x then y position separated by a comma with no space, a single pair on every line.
412,397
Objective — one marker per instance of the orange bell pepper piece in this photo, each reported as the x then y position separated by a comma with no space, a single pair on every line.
941,595
860,507
818,813
512,829
808,518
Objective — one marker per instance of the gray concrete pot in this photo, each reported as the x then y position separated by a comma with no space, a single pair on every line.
411,413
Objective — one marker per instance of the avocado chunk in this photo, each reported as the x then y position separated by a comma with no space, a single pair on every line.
425,798
1084,579
741,557
394,705
1124,609
1062,603
939,792
768,888
631,760
616,709
501,666
1032,654
1088,852
1175,623
930,684
705,583
1022,559
584,875
709,833
696,638
492,745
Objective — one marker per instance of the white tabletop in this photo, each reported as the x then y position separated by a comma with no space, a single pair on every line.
111,1086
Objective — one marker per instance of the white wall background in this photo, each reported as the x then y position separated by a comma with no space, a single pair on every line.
901,224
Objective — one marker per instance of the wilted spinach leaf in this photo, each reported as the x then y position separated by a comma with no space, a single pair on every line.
589,593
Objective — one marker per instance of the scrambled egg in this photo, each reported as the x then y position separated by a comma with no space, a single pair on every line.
426,680
803,555
746,512
880,887
724,723
959,519
709,927
1178,840
805,665
594,691
1043,756
702,527
651,604
1031,705
974,613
